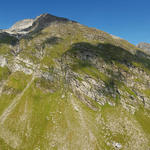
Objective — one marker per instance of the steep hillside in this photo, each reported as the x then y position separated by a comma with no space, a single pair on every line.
65,86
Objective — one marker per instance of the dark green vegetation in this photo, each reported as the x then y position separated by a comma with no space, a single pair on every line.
7,39
67,86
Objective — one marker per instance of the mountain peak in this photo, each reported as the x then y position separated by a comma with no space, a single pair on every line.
45,15
29,25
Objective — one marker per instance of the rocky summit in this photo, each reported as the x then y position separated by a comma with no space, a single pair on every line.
65,86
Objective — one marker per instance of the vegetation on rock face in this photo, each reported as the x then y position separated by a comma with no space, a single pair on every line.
67,86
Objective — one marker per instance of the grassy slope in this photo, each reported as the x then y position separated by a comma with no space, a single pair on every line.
58,120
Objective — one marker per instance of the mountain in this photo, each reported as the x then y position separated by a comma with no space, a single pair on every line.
144,46
65,86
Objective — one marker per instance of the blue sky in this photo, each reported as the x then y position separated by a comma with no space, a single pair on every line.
128,19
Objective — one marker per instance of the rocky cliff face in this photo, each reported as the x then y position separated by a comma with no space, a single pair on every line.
66,86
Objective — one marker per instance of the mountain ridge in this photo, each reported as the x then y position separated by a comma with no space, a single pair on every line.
25,26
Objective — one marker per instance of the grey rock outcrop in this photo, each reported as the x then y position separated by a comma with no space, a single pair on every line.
21,27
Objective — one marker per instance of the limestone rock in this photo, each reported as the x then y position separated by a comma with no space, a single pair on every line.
3,61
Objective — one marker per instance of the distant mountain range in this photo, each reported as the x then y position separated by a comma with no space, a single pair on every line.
144,46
